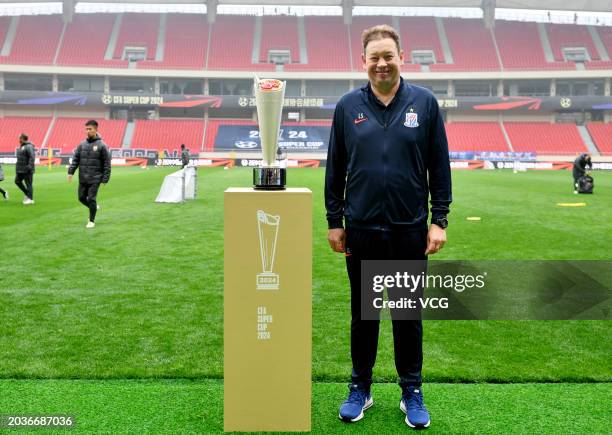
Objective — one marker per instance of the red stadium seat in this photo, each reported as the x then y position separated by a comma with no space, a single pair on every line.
323,56
12,126
138,30
520,48
79,30
279,33
471,45
475,136
605,34
545,138
602,136
239,30
35,41
419,33
570,35
168,134
185,43
67,133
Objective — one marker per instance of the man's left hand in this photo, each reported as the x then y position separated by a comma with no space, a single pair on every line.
436,238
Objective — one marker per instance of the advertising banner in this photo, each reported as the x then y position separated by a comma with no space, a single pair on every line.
292,138
214,102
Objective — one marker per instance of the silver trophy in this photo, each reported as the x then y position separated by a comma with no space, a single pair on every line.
269,98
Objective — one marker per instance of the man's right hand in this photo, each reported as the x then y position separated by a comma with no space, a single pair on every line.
69,178
335,237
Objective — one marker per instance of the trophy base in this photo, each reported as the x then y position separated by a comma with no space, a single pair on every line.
271,178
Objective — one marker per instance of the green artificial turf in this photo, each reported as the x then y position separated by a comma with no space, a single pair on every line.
182,406
141,295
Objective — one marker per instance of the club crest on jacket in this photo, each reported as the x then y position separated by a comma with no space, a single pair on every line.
412,120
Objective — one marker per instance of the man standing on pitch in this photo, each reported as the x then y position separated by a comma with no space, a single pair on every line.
94,162
387,153
184,156
24,177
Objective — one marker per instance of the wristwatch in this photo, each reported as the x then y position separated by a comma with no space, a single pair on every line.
442,222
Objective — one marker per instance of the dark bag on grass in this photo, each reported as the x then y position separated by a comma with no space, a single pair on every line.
585,184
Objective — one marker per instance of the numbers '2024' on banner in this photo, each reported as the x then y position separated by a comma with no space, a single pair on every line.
292,138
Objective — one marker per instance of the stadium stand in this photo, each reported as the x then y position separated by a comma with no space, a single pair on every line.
241,53
67,133
520,48
186,41
419,33
12,126
605,34
570,35
475,136
545,138
358,25
602,136
36,40
471,45
72,52
323,56
138,30
168,134
4,25
279,33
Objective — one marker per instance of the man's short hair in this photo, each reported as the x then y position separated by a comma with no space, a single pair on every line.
380,32
182,145
92,122
23,136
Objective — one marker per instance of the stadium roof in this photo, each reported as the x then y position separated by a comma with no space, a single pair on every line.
552,5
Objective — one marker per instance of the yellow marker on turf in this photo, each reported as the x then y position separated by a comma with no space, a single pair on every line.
474,218
571,204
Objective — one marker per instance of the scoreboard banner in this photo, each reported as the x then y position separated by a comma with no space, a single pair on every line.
247,102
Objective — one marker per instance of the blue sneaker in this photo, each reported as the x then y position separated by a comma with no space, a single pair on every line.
412,405
357,402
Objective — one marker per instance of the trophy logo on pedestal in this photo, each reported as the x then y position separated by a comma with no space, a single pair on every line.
267,226
269,98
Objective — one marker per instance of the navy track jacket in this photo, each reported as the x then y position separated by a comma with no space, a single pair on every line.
383,162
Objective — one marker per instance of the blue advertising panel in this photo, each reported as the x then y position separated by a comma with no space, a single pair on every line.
292,138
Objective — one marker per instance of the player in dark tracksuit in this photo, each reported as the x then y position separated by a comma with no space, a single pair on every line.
94,162
579,169
388,154
184,156
24,170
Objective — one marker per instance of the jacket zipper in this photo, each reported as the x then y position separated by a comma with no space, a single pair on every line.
384,202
